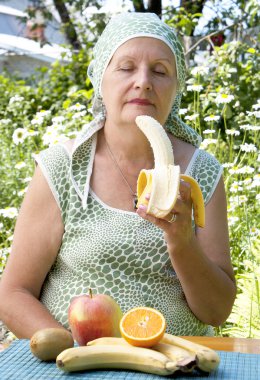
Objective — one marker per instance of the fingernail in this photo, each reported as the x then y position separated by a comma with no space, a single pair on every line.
142,207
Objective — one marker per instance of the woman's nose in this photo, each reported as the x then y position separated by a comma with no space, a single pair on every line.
143,80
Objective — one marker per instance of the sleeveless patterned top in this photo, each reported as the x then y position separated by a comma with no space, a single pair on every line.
113,251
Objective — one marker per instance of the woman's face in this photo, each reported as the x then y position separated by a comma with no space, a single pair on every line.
140,80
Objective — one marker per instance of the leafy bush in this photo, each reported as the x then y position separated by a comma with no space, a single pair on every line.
221,103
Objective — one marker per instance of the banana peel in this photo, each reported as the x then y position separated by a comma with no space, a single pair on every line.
163,181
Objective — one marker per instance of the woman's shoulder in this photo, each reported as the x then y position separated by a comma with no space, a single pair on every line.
56,151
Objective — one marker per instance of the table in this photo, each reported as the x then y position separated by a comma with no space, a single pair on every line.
239,360
243,345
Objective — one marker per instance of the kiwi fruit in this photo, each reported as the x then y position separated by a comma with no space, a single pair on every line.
47,344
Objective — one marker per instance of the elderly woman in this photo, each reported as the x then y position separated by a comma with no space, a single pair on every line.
78,227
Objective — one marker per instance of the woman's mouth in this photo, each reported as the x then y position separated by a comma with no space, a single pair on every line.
140,102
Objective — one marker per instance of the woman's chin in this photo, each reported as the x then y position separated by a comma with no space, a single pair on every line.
131,116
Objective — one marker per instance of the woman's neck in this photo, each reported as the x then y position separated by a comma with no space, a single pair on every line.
127,146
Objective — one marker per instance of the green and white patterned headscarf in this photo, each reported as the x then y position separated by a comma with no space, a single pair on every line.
122,28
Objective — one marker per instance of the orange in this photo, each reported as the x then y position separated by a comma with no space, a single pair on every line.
142,326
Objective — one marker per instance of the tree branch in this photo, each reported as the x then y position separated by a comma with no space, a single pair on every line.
210,35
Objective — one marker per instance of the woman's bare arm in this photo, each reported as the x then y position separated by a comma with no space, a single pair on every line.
37,238
202,261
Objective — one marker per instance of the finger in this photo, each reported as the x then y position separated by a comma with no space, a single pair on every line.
185,191
142,211
163,224
148,196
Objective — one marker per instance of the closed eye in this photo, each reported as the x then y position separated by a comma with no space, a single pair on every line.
159,72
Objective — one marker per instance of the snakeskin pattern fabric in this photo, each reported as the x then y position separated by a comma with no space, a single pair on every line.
113,251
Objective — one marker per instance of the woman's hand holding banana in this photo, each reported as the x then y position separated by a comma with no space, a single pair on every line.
165,195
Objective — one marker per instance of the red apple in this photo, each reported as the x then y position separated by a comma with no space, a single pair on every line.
93,316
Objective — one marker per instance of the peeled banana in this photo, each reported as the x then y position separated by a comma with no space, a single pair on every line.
115,357
163,181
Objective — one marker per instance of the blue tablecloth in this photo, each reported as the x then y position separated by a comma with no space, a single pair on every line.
17,363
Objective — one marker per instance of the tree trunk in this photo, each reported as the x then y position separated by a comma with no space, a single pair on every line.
153,6
69,28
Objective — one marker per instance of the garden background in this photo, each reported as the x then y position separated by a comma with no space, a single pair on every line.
221,102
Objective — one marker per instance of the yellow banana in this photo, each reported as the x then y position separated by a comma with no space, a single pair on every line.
163,181
184,359
108,340
115,357
206,358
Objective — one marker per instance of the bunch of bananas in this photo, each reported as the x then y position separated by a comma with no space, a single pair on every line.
170,355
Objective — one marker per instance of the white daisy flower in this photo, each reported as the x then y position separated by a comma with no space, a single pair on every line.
242,199
33,133
202,70
192,117
20,165
248,148
58,119
16,99
249,127
254,113
19,135
207,142
195,87
257,105
44,113
5,121
254,231
247,181
232,132
9,212
183,111
224,98
233,220
37,120
78,115
77,107
227,165
246,170
212,118
256,181
22,192
27,179
234,170
209,131
234,188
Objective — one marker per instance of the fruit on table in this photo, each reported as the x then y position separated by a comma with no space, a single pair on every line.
207,359
47,343
115,357
185,354
142,326
93,316
163,181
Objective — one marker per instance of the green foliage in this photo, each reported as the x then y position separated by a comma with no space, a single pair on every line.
183,21
222,103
